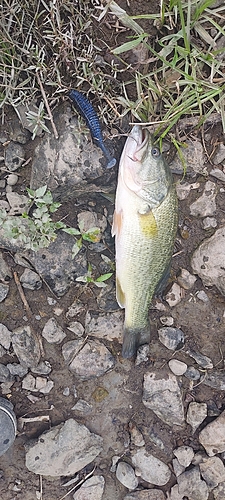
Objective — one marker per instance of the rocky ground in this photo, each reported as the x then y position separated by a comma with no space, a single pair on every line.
92,425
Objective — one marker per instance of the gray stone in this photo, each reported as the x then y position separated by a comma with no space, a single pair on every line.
5,271
174,494
219,174
183,189
2,351
71,164
43,368
205,205
192,373
166,320
56,266
215,379
136,435
197,412
177,367
14,156
4,290
19,203
17,369
87,220
12,179
184,455
201,295
186,279
150,468
92,489
108,326
5,336
26,346
4,373
82,406
220,154
63,450
175,295
191,485
151,494
200,358
125,474
28,382
29,279
212,437
91,360
53,332
209,223
142,354
163,396
212,471
219,492
172,338
208,260
76,328
177,467
194,159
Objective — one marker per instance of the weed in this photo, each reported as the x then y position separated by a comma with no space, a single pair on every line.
89,278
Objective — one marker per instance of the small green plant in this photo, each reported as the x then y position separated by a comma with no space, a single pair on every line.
89,278
35,228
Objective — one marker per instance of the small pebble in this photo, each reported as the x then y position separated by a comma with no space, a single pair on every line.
202,296
76,328
172,338
175,295
166,320
66,391
177,367
209,223
12,179
192,373
142,354
197,412
186,279
125,474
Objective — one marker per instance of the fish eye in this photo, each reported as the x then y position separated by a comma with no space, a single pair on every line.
155,152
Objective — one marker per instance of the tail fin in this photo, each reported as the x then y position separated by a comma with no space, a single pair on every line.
133,338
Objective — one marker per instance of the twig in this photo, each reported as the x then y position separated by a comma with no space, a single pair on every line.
47,106
22,296
78,484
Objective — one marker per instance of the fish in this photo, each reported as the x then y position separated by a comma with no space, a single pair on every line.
85,108
144,225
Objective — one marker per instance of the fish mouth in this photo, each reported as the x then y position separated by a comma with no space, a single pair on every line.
141,137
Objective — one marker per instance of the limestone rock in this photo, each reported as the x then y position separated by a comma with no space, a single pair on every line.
125,474
208,260
26,346
91,360
91,489
177,367
150,468
191,485
53,332
206,204
151,494
163,396
212,471
109,325
212,437
63,450
197,412
184,455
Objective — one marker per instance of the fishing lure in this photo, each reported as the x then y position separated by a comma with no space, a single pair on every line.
87,111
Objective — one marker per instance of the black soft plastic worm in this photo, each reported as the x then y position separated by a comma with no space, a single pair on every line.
87,111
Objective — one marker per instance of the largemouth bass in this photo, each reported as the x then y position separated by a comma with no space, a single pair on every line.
144,225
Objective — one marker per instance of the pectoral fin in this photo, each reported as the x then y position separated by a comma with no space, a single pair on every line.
117,223
120,296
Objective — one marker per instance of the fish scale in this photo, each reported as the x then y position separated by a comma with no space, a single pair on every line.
86,110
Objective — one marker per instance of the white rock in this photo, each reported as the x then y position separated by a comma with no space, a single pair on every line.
91,360
219,492
219,174
183,189
31,280
82,406
206,204
191,485
125,474
209,222
92,489
150,468
76,328
53,332
197,412
186,279
19,203
142,354
212,437
184,455
201,295
152,494
166,320
28,382
177,367
108,326
174,494
175,295
177,467
12,179
63,450
208,260
163,396
212,471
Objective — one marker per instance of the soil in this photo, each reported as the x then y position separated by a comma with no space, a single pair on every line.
202,323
